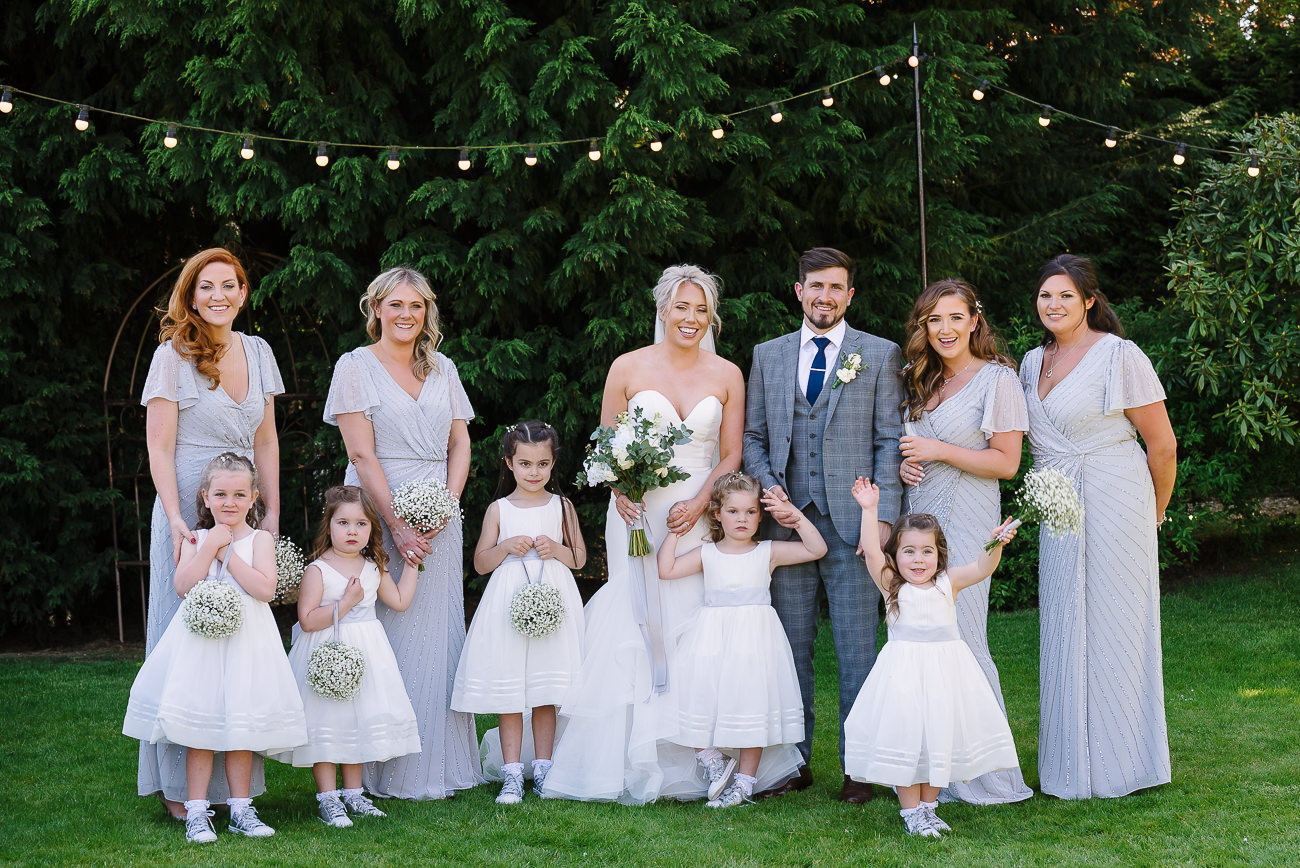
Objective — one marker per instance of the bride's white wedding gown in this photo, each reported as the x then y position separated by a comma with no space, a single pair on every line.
614,735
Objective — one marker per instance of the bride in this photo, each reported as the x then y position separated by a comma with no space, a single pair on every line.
614,742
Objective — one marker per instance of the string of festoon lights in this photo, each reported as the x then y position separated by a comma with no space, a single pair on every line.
776,108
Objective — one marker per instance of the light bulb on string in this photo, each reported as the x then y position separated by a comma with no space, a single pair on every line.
322,155
1112,137
827,99
882,77
980,89
719,132
246,150
1046,117
530,156
657,144
593,151
394,160
914,59
1180,155
463,163
7,101
83,119
169,138
1253,168
776,113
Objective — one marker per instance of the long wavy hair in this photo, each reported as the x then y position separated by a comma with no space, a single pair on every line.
226,462
336,497
891,578
1101,316
426,345
734,482
923,372
674,277
191,337
536,431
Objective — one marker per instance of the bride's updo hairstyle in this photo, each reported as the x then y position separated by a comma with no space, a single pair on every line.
734,482
674,276
426,345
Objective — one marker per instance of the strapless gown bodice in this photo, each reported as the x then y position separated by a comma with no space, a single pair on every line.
704,421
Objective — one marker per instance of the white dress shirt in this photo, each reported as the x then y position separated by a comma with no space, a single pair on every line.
808,351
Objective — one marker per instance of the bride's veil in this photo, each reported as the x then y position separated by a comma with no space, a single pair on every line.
687,274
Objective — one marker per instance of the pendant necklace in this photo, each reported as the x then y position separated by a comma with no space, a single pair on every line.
1052,367
947,380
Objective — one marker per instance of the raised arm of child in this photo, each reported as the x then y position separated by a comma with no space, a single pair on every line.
573,555
982,567
810,546
489,553
399,595
868,497
312,616
673,567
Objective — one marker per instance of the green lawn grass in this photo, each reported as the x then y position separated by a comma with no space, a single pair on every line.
1232,660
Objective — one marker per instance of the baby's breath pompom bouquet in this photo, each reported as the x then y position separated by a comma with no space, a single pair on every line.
334,670
426,504
1047,496
213,609
537,610
289,566
635,456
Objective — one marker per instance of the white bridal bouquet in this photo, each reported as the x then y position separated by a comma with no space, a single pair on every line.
537,610
289,566
213,609
334,670
634,456
426,504
1047,496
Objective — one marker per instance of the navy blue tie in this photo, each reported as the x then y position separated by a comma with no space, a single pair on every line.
817,373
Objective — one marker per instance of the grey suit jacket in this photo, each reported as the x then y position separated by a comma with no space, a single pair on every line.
862,432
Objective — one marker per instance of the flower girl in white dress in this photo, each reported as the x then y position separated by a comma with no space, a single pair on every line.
234,694
926,715
733,670
530,536
339,587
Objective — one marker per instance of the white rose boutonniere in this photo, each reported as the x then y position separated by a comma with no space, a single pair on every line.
850,365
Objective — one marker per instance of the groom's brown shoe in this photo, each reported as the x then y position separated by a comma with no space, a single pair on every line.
801,781
856,792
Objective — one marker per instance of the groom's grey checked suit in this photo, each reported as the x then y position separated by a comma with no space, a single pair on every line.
815,452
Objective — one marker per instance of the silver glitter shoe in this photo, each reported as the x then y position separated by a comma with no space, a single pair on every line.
198,827
719,769
244,821
361,806
934,819
512,791
918,823
732,796
331,813
539,777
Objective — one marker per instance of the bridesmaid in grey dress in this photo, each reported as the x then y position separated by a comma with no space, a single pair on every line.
1091,394
209,391
402,412
965,419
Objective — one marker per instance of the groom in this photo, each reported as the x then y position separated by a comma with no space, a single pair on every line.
822,409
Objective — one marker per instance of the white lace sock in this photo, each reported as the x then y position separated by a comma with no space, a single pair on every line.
320,797
195,805
746,783
708,755
238,804
540,768
512,769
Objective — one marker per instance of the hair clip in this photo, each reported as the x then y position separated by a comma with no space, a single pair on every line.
510,429
979,307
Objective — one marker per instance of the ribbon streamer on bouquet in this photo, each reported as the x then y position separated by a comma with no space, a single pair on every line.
531,557
646,609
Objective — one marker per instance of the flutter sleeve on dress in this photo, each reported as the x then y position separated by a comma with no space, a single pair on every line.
1004,405
460,406
267,370
1131,380
352,390
171,377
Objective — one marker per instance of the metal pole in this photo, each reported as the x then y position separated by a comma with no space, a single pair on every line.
920,159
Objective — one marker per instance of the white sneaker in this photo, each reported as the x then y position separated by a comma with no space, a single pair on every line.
732,796
512,791
361,806
934,819
198,827
719,771
244,821
539,777
331,813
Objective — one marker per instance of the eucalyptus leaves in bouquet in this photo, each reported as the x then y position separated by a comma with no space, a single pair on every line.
634,456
